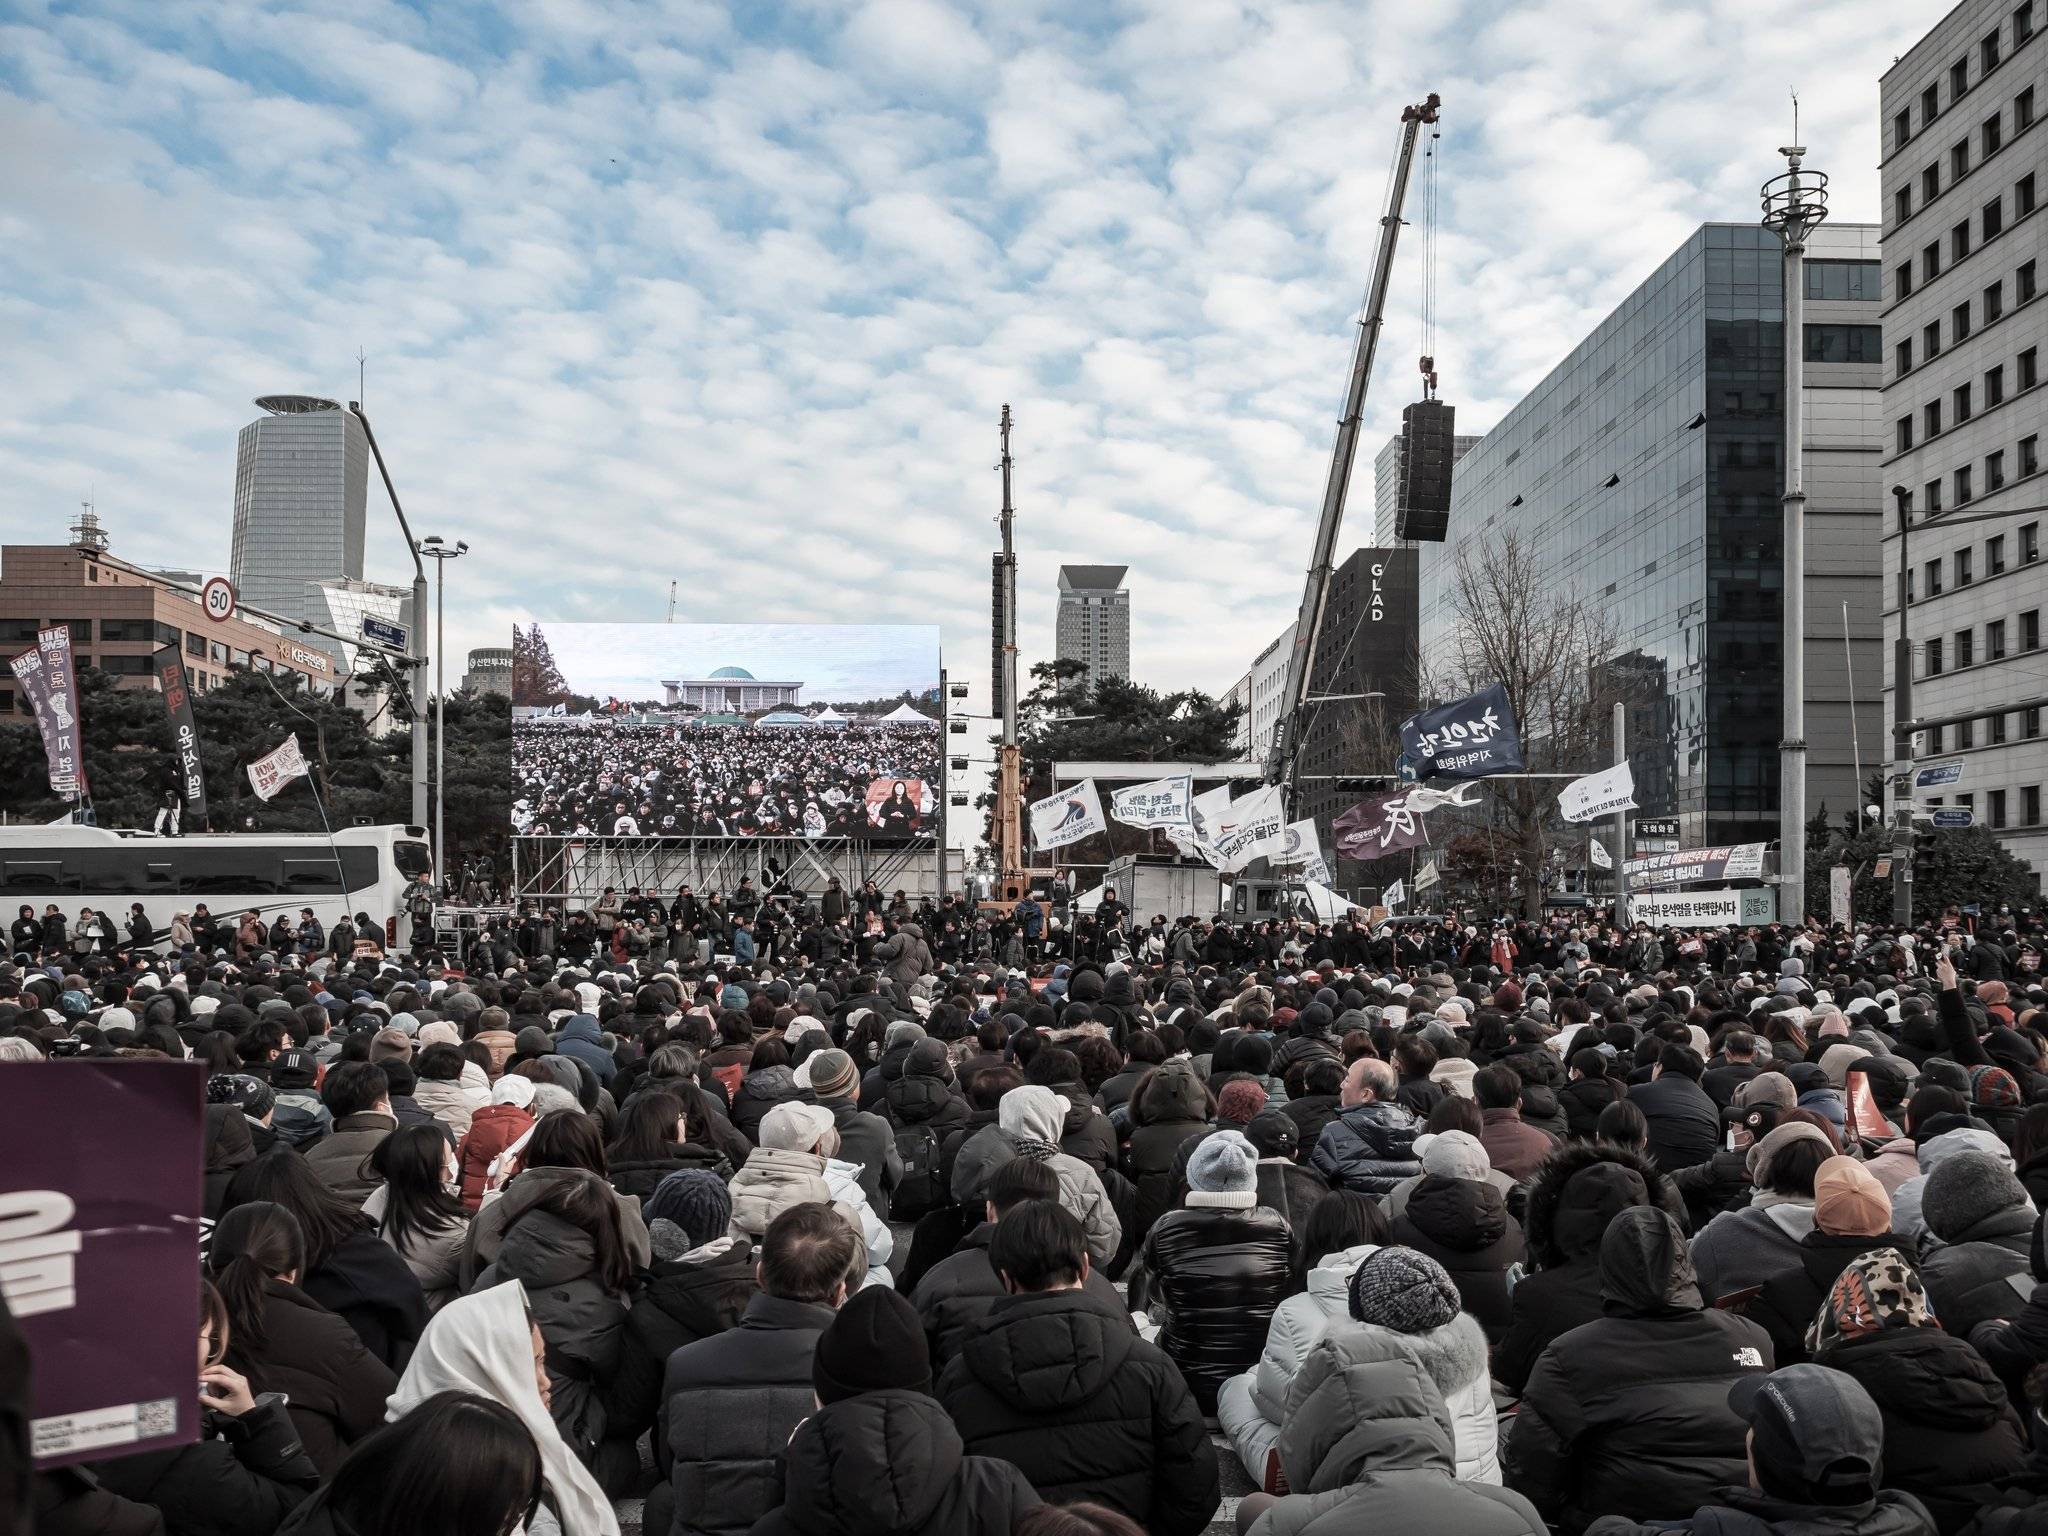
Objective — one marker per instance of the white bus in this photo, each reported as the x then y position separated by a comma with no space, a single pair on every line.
77,866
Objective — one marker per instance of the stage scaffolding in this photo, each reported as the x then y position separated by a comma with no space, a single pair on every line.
572,872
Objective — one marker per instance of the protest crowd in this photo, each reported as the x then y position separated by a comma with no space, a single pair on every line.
575,779
893,1219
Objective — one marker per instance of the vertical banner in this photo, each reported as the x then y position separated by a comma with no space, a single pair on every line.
170,677
60,678
32,677
99,1250
1396,896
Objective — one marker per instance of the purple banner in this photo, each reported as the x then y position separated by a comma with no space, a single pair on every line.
170,677
60,679
1382,825
32,677
100,1168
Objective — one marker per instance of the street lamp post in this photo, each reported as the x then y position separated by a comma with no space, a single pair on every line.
1794,204
438,550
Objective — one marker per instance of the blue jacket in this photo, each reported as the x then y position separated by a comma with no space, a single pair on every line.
1369,1148
743,946
579,1041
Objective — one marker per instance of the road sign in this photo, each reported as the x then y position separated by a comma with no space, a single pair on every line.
383,632
1656,826
1951,817
1936,775
217,597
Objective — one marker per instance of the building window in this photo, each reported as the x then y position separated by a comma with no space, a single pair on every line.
2030,805
2030,721
1902,129
2023,196
2023,282
1904,352
125,630
2023,23
1959,160
1854,280
1966,738
1934,658
167,635
1965,486
1934,584
1993,135
1994,640
1996,729
1962,403
195,645
1904,284
1966,648
1933,740
1994,469
1987,52
2030,630
1930,106
124,666
1994,803
2023,110
1994,386
220,654
1843,344
1905,433
1994,555
1994,302
2030,534
1933,494
1959,242
1958,80
2029,375
1959,323
1902,205
1930,418
1930,261
1930,341
2030,456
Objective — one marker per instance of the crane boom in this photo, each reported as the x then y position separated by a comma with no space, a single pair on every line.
1280,763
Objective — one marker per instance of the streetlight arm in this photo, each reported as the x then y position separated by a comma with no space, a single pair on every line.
390,490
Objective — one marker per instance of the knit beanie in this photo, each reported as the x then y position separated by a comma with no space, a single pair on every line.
1765,1152
1848,1201
874,1343
696,1200
1224,1170
391,1044
833,1075
1403,1290
533,1041
1964,1190
1240,1100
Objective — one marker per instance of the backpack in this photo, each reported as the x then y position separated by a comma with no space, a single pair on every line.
921,1190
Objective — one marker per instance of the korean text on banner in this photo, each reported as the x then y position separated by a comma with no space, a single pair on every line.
268,775
99,1253
170,675
1602,859
1067,817
1741,861
1396,896
1155,803
1381,825
32,677
1254,827
1468,738
1599,794
67,753
1426,876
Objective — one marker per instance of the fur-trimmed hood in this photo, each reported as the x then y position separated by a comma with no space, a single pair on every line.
1565,1218
1453,1355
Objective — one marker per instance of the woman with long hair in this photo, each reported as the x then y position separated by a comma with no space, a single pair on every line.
347,1268
457,1465
417,1208
282,1340
655,1140
567,1140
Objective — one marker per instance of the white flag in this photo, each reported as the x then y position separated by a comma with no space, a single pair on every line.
267,775
1302,845
1254,827
1599,794
1396,896
1067,816
1155,803
1426,877
1602,859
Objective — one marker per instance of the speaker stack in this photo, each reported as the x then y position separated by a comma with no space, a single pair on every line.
1424,512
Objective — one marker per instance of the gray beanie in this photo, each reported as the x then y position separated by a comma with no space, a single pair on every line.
1224,1170
1403,1290
1964,1190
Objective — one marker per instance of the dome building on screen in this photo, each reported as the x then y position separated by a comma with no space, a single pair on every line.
731,690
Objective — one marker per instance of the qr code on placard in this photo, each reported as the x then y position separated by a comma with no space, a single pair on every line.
156,1418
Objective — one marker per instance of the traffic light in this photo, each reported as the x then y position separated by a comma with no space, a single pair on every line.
1923,842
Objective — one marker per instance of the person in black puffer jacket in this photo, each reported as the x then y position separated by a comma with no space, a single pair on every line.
1589,1091
1575,1194
880,1457
924,1093
1320,1101
1950,1432
1370,1146
1058,1385
2014,1345
1171,1105
655,1140
1217,1268
1851,1216
770,1081
1985,1226
698,1285
1628,1415
1455,1216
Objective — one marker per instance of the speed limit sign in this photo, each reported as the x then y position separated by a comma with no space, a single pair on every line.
218,598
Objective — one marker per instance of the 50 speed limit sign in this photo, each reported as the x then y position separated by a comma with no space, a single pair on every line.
218,598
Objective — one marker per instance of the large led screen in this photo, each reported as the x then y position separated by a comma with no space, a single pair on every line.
726,730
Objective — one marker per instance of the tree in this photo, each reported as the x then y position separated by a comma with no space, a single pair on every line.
1964,868
1551,651
536,680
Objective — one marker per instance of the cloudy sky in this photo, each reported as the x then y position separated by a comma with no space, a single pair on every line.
733,294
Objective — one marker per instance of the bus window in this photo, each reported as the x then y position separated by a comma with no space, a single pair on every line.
232,872
413,859
38,877
311,877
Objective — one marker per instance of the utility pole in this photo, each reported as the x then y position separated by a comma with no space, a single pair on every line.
436,549
416,650
1794,204
1009,777
1620,822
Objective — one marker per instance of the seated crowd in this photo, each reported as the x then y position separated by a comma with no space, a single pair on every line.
1628,1244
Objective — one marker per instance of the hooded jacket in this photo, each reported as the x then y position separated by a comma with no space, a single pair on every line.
1788,1302
1028,1123
1571,1201
1930,1155
641,1177
492,1130
1745,1512
1968,1279
684,1299
890,1463
760,1091
583,1323
480,1248
904,956
1464,1225
1742,1248
1629,1414
955,1294
1058,1385
1685,1125
336,1388
1368,1447
1168,1108
454,1104
1369,1148
341,1157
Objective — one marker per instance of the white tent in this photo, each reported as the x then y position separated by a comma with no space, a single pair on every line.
903,714
830,716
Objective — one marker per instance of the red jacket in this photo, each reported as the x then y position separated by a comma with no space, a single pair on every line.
491,1130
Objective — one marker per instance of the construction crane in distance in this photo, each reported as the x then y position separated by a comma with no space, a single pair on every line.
1282,762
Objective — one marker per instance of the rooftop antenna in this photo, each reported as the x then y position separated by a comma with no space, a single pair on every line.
87,533
671,602
361,360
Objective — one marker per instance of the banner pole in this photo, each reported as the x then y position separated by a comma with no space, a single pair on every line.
340,874
1621,822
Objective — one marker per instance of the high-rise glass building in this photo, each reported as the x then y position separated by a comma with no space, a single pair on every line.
1644,474
1094,622
301,477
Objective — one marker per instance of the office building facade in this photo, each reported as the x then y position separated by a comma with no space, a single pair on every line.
1257,695
1386,486
490,671
301,479
1644,476
1965,330
1094,620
